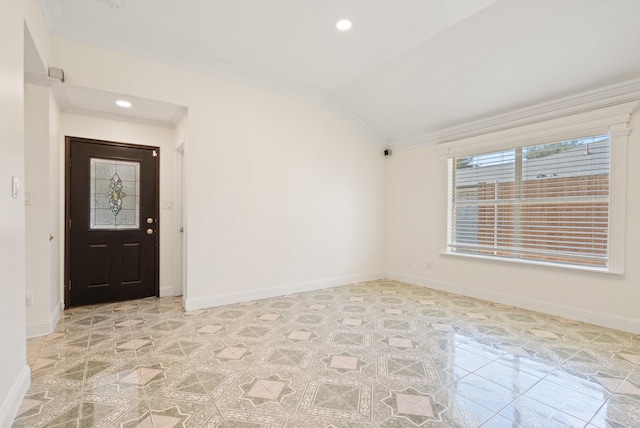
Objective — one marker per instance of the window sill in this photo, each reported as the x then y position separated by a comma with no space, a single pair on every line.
532,263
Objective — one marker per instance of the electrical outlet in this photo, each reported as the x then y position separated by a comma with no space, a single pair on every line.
29,299
429,265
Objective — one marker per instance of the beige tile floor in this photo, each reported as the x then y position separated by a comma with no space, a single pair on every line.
376,354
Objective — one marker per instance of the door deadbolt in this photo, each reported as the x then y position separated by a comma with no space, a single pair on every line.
149,220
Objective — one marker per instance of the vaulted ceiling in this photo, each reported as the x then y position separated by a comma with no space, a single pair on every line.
406,68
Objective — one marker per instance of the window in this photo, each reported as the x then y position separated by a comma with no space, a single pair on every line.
544,203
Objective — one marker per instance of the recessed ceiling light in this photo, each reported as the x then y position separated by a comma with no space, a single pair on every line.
123,103
343,25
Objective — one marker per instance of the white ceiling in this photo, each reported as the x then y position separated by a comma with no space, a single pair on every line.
406,68
78,99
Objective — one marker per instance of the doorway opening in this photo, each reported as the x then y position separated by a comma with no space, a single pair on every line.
112,218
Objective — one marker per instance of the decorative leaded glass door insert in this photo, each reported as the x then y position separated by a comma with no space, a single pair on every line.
114,194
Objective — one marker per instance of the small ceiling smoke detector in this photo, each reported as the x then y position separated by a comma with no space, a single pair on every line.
343,25
115,3
123,103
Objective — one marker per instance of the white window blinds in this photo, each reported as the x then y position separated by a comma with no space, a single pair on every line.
547,203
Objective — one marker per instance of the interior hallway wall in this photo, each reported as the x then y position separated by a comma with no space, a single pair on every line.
56,215
179,206
18,18
41,185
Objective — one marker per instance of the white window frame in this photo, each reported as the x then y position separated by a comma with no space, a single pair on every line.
613,120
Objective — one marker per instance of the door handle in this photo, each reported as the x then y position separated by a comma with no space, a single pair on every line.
149,231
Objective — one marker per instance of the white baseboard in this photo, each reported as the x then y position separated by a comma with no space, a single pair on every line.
11,404
565,311
264,293
45,327
170,291
55,315
38,329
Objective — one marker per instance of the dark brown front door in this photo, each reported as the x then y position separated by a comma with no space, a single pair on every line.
112,221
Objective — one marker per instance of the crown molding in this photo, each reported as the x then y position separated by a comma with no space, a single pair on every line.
196,63
141,48
186,60
51,10
352,119
583,102
585,124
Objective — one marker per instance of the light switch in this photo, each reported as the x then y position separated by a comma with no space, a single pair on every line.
15,186
27,198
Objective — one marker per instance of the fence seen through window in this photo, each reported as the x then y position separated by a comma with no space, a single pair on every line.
545,202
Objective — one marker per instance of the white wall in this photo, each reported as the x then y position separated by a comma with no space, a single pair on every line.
417,208
56,215
281,195
75,125
14,376
34,19
179,207
293,201
42,211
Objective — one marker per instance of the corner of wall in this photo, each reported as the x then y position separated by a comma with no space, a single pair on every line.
546,307
55,314
44,328
170,290
267,292
9,408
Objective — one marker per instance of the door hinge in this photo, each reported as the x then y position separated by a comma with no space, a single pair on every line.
69,285
69,223
155,154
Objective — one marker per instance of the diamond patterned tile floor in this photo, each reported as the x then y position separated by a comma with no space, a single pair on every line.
375,354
